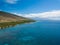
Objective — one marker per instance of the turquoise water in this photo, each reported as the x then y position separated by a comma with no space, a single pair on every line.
37,33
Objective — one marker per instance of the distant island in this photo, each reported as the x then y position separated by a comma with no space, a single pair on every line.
7,19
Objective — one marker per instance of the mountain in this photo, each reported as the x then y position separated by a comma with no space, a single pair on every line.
8,17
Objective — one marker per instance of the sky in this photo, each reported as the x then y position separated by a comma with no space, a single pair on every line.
45,9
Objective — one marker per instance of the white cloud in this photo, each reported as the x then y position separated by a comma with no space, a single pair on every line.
18,14
51,15
11,1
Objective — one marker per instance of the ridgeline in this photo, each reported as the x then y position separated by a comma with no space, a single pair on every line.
8,17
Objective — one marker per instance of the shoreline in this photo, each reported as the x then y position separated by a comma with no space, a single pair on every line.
11,24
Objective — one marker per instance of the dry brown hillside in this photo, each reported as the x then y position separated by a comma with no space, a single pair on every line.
8,17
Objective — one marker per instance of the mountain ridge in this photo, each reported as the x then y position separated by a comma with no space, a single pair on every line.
8,17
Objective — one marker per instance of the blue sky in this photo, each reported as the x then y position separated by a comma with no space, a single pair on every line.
32,8
29,6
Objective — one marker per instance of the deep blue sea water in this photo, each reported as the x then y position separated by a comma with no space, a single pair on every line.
36,33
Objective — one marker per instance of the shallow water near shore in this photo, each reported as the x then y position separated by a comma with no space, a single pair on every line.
36,33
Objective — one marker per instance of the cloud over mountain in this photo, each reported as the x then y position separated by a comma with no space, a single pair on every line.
50,15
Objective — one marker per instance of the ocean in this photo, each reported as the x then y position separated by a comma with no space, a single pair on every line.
35,33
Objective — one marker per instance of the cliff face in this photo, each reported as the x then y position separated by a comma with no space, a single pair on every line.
8,17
